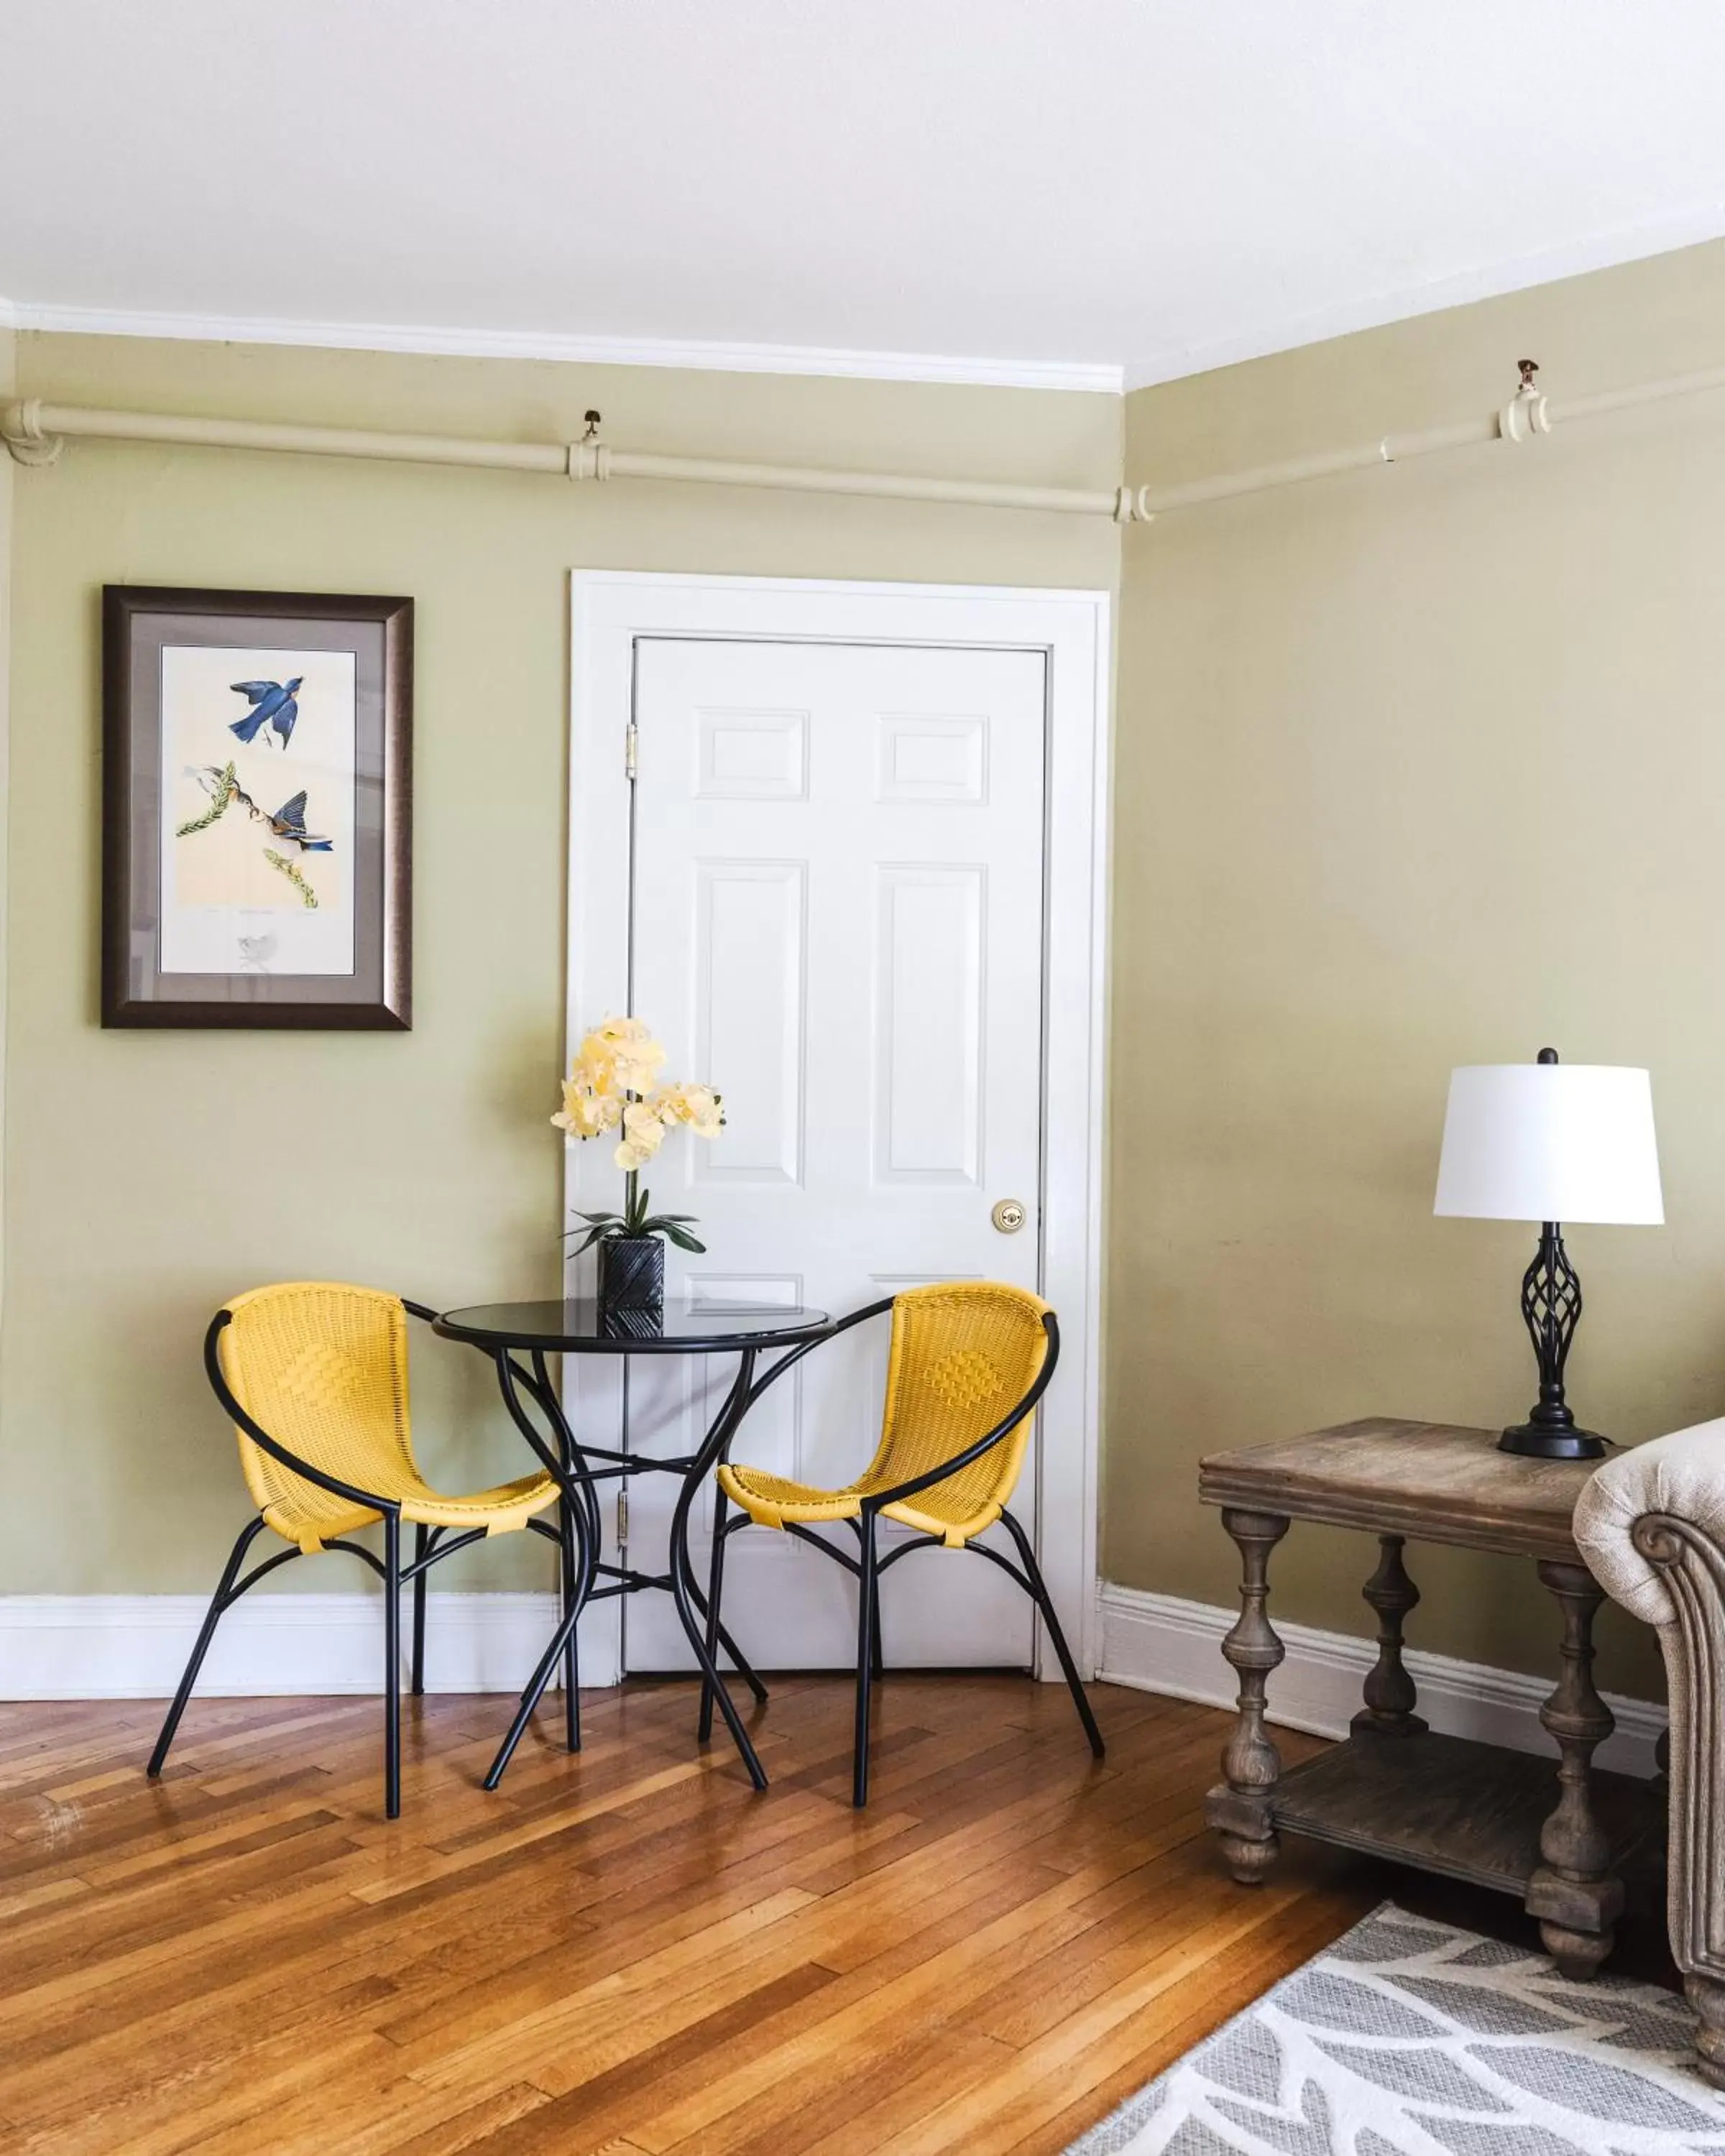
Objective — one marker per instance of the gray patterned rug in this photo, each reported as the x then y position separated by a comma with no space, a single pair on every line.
1409,2038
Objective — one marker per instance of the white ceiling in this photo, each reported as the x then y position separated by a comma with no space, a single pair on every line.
1039,190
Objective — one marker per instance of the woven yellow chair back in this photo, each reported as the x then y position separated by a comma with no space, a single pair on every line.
324,1369
964,1354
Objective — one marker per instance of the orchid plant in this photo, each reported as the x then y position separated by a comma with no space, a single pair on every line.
613,1084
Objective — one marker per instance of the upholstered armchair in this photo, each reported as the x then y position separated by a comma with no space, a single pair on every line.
1651,1525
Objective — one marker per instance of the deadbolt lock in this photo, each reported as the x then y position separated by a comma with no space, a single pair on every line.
1008,1215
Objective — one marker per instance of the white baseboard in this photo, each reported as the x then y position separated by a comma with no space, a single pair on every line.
134,1646
1160,1643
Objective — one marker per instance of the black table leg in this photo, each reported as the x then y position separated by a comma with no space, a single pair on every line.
682,1571
715,1592
568,1567
577,1525
565,1462
739,1663
535,1692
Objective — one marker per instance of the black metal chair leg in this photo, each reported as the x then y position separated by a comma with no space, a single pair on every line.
879,1661
715,1589
1033,1573
422,1538
391,1665
569,1567
217,1603
868,1604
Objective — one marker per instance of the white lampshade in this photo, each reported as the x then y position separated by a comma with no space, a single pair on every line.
1550,1142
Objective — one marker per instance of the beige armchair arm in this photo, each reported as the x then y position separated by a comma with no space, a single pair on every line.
1651,1525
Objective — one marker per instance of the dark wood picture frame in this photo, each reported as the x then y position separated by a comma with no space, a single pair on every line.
138,622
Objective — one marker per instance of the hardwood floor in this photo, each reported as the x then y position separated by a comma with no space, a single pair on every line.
628,1951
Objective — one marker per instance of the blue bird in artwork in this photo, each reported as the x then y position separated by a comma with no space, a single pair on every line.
272,704
289,823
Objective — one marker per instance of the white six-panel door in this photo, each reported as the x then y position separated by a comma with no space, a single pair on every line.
937,1115
837,920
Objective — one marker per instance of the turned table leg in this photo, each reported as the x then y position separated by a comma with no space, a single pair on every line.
1706,1995
1573,1893
1389,1692
1241,1807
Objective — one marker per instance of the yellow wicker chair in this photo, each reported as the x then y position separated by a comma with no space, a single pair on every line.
969,1363
315,1376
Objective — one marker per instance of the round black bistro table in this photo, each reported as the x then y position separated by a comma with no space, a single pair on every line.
510,1331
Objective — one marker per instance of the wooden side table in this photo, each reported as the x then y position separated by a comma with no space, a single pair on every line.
1396,1789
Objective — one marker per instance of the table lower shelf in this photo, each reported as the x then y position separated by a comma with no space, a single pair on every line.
1450,1805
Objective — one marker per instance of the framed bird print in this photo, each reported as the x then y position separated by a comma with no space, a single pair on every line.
256,811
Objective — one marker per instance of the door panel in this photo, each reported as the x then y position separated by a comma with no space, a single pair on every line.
751,1016
837,893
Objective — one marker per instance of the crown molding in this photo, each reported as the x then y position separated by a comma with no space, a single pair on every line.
1607,249
1610,250
689,353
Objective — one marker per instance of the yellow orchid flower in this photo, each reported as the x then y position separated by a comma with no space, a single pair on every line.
696,1106
643,1135
613,1084
585,1112
621,1056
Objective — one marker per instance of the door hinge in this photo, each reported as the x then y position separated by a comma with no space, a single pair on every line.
631,748
622,1519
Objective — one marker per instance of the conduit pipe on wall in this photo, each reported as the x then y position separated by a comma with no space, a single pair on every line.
1529,412
35,433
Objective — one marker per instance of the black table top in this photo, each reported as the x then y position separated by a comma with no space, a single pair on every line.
582,1328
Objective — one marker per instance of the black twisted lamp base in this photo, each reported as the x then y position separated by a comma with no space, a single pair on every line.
1551,1304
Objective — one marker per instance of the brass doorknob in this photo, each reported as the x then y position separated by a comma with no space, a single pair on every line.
1008,1215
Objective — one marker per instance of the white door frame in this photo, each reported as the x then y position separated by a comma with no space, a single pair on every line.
609,610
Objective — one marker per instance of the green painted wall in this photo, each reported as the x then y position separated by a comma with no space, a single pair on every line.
8,385
1415,767
147,1175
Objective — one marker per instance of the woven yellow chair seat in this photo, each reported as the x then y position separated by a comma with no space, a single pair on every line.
499,1511
323,1368
770,1500
964,1354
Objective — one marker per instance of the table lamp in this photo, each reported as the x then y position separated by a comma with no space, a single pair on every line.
1547,1142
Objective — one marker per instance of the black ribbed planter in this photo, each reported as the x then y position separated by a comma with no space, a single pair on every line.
631,1272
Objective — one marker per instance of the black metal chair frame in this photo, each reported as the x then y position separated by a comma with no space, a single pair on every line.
868,1565
571,1535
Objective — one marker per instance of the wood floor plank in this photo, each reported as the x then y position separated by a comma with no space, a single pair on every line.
628,1951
